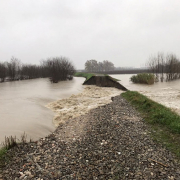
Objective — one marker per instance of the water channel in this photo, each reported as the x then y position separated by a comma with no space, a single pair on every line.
23,105
166,93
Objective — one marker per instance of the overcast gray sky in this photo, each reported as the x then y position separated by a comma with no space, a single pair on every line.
125,32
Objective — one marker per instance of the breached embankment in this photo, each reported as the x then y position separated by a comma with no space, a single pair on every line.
80,104
104,81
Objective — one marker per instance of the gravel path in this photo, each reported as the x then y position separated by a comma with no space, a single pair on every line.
110,142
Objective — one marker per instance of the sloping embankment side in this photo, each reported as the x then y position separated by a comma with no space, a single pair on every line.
104,81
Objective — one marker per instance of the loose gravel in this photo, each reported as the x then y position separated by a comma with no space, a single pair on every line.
110,142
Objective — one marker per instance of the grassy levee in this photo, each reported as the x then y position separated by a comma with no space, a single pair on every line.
112,78
89,75
85,75
165,124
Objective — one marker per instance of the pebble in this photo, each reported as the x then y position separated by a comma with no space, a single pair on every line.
109,142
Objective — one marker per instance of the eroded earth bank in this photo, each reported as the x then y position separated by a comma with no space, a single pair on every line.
107,142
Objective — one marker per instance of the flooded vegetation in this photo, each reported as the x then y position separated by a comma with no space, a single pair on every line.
143,78
165,68
56,69
24,103
166,93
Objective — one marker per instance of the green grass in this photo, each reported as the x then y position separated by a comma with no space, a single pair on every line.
2,156
2,152
85,75
9,143
165,123
89,75
112,78
143,78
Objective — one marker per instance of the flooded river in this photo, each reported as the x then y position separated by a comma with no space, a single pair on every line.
166,93
23,105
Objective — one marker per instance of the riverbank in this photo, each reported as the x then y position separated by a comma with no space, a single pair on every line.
109,142
165,123
167,96
90,75
85,75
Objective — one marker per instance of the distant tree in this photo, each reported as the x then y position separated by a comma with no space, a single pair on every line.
60,69
91,65
29,71
108,66
88,66
94,66
160,65
100,67
3,71
14,68
44,69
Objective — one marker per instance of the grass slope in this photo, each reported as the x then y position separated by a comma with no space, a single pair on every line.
164,122
85,75
9,143
112,77
2,156
89,75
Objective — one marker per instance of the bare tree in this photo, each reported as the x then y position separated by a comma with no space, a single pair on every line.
14,68
60,69
169,65
3,71
29,71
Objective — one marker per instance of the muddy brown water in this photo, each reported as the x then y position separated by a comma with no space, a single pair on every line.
22,105
166,93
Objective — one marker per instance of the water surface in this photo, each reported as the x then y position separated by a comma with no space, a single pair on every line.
166,93
22,105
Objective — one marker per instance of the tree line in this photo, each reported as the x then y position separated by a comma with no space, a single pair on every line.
164,67
95,66
57,69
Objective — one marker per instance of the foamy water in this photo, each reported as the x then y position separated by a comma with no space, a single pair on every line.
80,104
23,106
167,96
166,93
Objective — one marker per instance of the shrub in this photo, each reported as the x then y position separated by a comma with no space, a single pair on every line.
59,68
143,78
